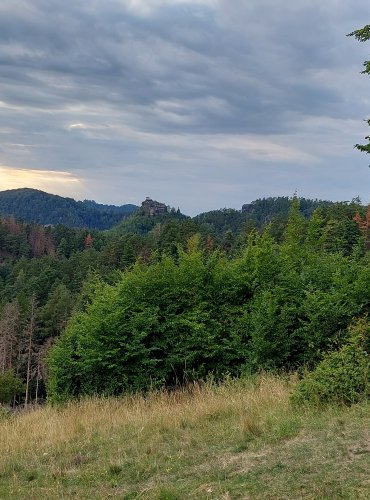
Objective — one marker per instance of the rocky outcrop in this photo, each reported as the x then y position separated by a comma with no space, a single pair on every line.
248,207
152,207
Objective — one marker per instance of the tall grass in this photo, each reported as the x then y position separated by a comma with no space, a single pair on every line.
202,441
197,404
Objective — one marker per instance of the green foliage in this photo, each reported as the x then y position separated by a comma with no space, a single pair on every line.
219,221
302,299
200,296
343,376
185,316
56,311
363,35
257,214
161,324
10,386
340,232
33,205
164,227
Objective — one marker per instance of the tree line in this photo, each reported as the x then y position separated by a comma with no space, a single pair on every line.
237,301
272,305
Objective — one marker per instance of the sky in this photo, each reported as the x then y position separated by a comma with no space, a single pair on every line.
201,104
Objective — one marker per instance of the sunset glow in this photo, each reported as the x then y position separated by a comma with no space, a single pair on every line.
64,183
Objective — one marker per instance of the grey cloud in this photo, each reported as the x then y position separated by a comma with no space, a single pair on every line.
111,56
231,68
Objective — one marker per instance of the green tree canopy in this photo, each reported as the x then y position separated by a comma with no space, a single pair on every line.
363,35
10,386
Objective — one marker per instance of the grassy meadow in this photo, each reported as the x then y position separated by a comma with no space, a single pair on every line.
241,439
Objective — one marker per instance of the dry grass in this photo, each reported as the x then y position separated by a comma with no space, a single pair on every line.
238,440
51,427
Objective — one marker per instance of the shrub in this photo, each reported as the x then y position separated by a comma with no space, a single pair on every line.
342,376
10,386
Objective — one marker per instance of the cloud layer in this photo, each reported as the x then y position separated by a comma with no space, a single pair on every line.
201,104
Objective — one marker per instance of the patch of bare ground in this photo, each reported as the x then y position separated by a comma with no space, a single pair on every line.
360,448
241,463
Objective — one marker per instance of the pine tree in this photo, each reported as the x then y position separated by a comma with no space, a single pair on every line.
363,35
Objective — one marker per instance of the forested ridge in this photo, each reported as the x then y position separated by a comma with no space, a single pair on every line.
33,205
161,300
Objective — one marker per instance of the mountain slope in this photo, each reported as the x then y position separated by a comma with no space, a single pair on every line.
258,213
33,205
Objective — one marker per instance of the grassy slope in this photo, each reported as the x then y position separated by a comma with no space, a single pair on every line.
240,440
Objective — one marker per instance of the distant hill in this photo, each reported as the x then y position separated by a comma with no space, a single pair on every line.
258,213
141,223
32,205
263,209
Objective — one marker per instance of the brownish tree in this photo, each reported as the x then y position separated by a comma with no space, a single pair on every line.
11,224
364,226
88,243
30,330
40,242
9,335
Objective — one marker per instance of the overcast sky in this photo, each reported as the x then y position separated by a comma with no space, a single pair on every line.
201,104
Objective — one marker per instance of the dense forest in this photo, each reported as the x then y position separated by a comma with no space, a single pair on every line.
33,205
161,300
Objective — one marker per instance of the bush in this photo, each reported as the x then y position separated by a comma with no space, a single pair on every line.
10,386
342,376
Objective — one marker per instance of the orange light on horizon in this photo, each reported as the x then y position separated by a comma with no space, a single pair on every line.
64,183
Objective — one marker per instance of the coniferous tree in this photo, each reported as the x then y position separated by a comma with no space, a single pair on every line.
363,35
